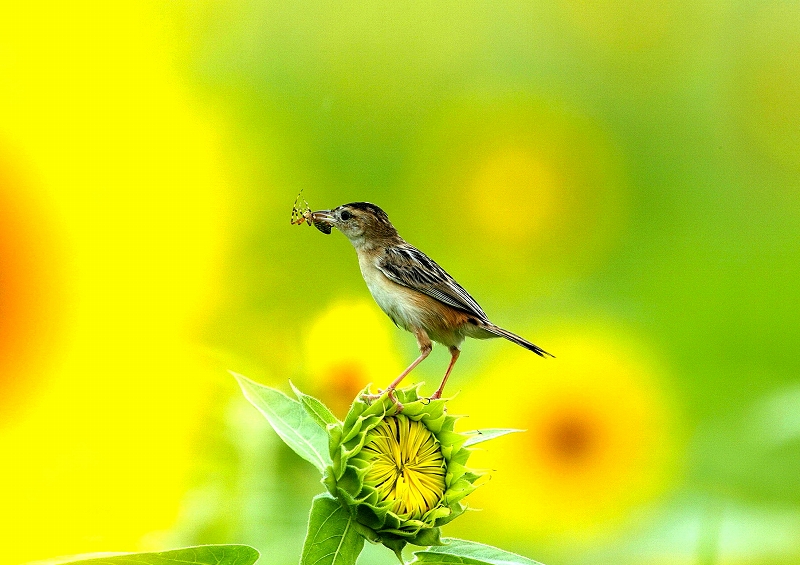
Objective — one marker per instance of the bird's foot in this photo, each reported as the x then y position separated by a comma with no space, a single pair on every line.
397,404
435,396
373,397
370,398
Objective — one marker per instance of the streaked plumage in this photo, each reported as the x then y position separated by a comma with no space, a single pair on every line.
410,287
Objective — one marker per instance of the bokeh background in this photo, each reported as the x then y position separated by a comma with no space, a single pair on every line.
618,180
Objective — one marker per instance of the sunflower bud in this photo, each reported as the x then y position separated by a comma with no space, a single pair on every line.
401,475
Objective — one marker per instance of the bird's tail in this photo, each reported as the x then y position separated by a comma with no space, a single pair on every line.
498,331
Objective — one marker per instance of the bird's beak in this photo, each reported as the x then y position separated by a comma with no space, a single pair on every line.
323,220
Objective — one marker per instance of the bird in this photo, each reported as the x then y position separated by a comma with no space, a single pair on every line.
412,289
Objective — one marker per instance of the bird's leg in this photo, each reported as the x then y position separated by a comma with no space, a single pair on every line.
455,352
425,347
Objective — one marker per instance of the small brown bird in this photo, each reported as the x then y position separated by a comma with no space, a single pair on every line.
416,293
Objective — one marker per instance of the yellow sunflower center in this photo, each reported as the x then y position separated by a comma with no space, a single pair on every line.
407,465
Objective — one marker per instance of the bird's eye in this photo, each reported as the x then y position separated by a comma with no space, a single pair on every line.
345,215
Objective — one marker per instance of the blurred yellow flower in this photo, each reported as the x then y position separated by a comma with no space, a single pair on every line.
516,190
129,165
600,434
32,285
348,346
540,188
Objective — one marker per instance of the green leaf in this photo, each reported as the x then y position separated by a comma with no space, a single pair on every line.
332,537
200,555
290,420
479,436
468,553
315,408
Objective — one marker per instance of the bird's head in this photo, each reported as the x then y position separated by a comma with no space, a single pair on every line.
359,221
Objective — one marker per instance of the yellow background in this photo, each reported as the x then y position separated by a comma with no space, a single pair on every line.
616,181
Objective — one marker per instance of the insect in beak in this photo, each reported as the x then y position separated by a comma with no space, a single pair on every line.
323,220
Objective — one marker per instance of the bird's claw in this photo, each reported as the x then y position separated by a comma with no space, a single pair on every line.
373,397
435,396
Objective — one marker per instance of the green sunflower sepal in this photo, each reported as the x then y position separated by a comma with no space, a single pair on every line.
402,475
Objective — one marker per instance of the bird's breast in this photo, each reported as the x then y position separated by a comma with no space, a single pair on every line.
410,309
395,300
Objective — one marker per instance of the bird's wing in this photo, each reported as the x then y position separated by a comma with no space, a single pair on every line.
410,267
